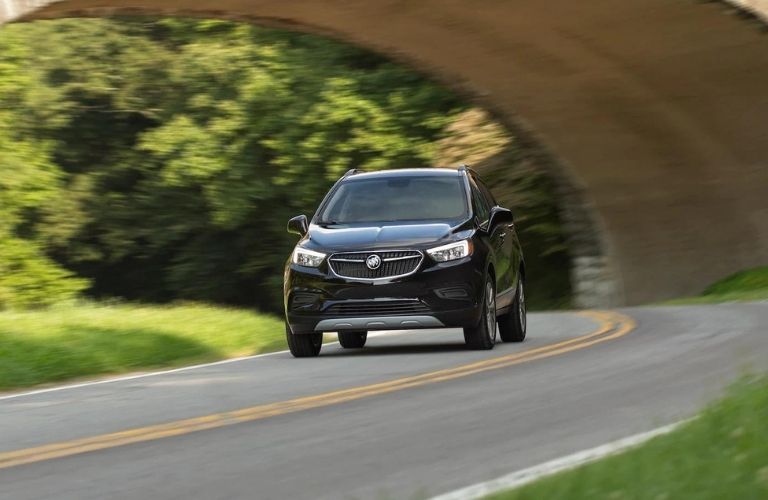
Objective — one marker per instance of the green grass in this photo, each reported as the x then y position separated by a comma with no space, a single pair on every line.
63,343
721,454
747,285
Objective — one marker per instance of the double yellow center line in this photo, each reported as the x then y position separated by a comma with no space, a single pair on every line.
612,325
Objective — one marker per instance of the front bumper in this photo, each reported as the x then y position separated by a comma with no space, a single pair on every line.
437,295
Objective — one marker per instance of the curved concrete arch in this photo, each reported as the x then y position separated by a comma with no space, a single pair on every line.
657,109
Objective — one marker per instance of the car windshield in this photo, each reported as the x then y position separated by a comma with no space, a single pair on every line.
411,198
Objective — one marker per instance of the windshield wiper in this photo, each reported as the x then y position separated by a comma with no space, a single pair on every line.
327,223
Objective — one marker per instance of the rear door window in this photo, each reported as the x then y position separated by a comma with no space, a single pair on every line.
479,202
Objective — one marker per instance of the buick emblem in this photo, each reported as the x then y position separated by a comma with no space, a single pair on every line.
373,262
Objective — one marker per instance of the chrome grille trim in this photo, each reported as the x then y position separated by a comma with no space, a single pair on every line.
343,257
401,258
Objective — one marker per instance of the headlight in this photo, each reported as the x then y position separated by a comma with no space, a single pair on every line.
308,258
451,251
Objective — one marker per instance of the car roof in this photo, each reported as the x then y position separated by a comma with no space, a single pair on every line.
405,172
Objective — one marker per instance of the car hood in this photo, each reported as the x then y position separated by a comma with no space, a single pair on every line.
345,238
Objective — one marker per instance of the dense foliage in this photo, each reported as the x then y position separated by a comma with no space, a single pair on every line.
160,159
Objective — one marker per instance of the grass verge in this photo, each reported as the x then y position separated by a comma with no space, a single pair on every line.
721,454
747,285
63,343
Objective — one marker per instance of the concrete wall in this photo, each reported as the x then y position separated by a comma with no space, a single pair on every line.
756,7
656,109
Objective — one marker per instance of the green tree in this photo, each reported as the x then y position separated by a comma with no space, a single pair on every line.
161,158
28,277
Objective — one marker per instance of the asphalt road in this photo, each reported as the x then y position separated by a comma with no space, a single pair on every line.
410,416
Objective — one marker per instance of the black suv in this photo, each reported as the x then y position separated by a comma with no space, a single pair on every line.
404,249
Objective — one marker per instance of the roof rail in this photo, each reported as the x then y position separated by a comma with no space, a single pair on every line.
465,168
352,171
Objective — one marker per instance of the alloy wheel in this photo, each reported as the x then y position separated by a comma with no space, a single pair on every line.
521,307
490,311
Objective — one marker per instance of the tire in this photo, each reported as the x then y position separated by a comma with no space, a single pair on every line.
303,345
513,325
483,336
353,340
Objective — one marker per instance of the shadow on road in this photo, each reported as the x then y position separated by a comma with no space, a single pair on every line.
398,349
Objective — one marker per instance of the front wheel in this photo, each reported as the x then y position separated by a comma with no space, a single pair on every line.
483,336
352,340
303,345
512,326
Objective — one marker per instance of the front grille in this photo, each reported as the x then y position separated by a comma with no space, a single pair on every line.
378,308
393,264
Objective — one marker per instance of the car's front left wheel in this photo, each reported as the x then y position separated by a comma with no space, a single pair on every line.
483,336
305,345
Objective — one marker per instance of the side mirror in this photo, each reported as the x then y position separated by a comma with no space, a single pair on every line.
298,225
500,215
